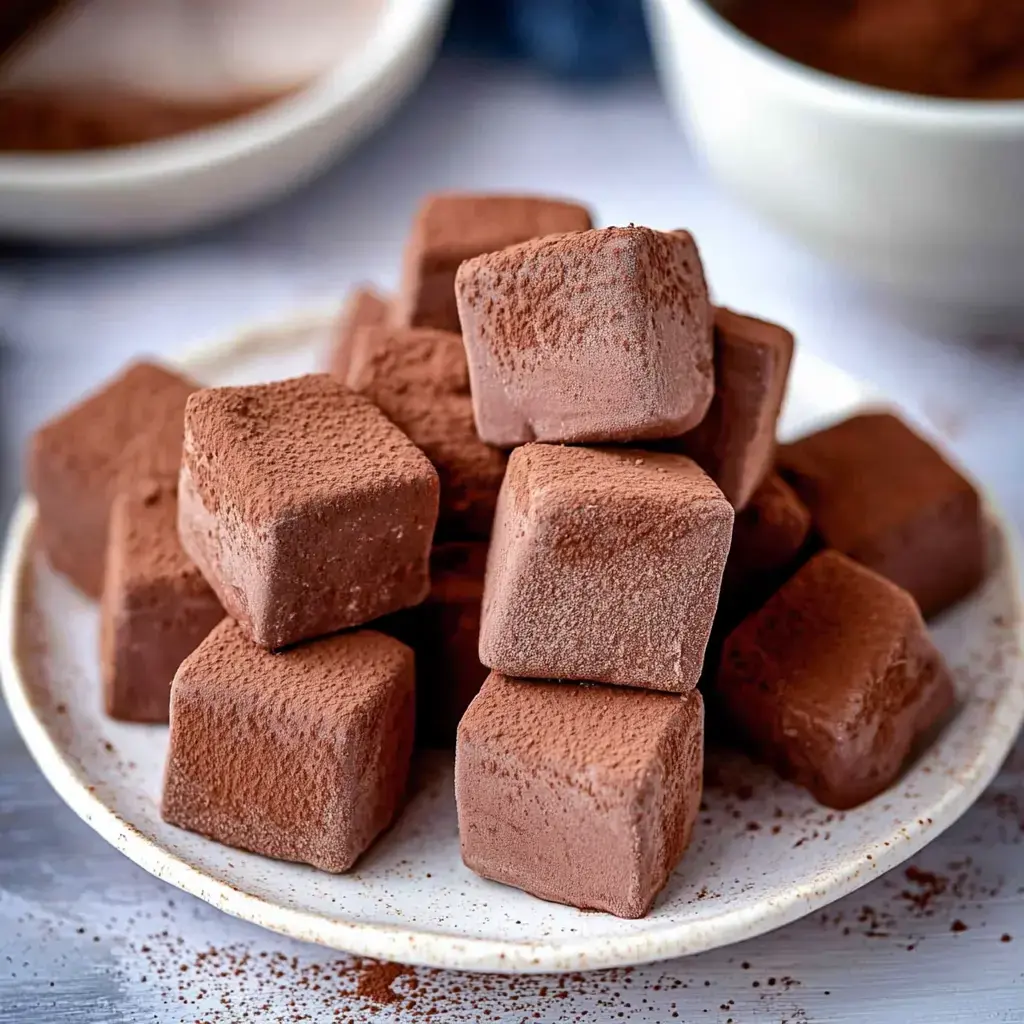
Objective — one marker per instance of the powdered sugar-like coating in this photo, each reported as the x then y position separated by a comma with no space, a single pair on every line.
365,307
131,426
578,793
301,755
419,378
605,565
306,509
156,606
599,335
455,226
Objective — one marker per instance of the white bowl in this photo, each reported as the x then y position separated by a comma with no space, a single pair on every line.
923,197
188,181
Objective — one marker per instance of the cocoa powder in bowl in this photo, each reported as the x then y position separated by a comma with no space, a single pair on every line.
971,49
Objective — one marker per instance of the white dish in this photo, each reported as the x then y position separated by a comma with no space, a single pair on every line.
922,197
188,181
410,898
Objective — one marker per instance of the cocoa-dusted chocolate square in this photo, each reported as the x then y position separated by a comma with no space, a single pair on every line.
444,632
306,509
365,307
834,679
883,495
155,609
419,379
735,442
605,565
452,227
770,538
301,755
580,794
595,336
74,462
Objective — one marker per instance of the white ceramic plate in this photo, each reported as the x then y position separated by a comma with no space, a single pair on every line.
188,181
764,852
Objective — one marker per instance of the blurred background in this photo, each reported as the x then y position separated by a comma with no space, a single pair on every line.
171,171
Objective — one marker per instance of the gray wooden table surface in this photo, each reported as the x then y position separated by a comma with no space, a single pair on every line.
86,936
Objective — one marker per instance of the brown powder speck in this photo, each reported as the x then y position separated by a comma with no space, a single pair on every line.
929,885
1005,938
958,926
376,978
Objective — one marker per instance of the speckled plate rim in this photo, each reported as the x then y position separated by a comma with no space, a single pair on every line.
421,946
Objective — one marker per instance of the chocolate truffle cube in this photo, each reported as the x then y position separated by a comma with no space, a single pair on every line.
769,539
594,336
444,632
156,606
419,379
453,227
605,565
301,755
882,495
75,460
735,443
834,679
580,794
365,307
306,509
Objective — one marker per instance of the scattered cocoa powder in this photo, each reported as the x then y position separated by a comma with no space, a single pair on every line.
376,978
929,885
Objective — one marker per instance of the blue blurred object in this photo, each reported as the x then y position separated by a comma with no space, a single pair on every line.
588,40
481,27
583,39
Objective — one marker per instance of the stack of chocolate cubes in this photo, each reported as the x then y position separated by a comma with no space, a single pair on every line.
535,502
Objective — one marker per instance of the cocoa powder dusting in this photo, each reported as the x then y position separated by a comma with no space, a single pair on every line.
419,379
587,337
375,980
584,535
59,121
970,49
